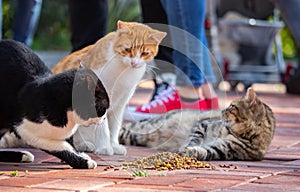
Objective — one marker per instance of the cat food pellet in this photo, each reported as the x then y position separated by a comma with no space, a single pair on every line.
117,168
166,161
109,167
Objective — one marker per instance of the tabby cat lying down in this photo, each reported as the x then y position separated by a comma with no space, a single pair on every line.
43,109
243,131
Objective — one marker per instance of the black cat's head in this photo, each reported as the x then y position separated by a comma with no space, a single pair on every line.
89,97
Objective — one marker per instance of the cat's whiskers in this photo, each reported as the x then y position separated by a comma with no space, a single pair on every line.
150,68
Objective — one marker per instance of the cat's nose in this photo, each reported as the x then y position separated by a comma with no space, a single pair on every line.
133,64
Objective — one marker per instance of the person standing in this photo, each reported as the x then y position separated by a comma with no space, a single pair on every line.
194,73
88,22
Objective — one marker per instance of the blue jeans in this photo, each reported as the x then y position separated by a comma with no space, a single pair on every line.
191,55
25,20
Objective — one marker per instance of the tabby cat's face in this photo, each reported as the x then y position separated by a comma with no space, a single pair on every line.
244,110
136,43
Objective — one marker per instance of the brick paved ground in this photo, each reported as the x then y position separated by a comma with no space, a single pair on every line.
279,171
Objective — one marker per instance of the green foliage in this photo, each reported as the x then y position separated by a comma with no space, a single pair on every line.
140,173
289,48
8,10
288,44
53,29
128,10
14,173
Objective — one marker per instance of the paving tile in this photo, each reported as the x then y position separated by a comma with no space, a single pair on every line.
141,188
72,184
208,184
293,173
29,189
23,181
266,167
294,163
280,179
240,176
284,153
250,187
133,188
280,141
159,180
97,174
279,171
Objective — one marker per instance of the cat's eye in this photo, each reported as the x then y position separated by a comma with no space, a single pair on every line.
128,50
232,107
145,53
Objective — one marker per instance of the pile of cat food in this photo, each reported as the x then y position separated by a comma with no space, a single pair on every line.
166,161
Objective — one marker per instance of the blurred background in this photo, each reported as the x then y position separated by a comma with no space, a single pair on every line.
52,39
53,28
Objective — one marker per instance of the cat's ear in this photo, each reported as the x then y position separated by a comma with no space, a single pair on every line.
122,27
158,36
81,65
251,96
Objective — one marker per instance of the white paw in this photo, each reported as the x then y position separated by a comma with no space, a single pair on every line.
119,149
91,164
27,157
105,151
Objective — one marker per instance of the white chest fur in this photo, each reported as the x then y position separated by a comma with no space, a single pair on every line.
46,136
119,79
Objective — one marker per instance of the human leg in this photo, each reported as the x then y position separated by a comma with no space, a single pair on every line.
194,58
191,55
154,14
26,20
88,21
160,17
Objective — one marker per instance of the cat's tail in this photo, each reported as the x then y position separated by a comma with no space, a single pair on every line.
10,140
163,132
16,156
129,135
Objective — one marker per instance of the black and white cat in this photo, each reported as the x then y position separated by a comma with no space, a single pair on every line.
44,109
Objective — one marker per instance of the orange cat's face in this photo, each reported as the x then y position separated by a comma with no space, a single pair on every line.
136,43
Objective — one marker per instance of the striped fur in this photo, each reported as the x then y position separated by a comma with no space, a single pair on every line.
242,132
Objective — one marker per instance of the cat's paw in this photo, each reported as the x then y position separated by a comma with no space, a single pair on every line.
197,152
91,164
27,157
119,149
104,151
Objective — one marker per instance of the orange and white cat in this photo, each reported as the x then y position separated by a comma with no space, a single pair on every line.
119,60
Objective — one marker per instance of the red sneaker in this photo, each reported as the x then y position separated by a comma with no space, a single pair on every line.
212,104
166,101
